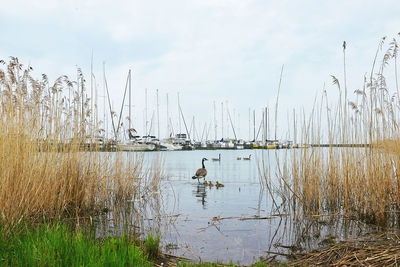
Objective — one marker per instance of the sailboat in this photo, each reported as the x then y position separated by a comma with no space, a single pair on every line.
168,144
182,139
132,143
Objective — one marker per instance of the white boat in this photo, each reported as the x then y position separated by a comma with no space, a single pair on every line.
240,144
169,146
219,145
229,144
134,146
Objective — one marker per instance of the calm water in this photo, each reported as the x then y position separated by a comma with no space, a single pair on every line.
208,224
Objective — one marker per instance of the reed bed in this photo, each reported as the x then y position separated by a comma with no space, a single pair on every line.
44,175
360,181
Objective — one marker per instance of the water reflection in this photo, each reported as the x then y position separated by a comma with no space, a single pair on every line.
200,193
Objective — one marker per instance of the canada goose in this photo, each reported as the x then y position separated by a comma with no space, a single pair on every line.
218,159
202,172
247,158
239,158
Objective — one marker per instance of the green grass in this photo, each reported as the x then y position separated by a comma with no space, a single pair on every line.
59,246
151,246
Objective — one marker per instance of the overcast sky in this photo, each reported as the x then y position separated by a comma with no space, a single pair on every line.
227,51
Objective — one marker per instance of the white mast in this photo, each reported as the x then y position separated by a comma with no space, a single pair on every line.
180,128
145,112
222,119
238,124
234,119
168,130
249,124
215,124
130,104
254,124
158,118
227,119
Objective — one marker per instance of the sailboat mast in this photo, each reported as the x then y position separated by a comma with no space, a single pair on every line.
276,104
130,99
194,129
168,130
234,118
145,110
123,102
215,124
294,127
254,124
238,124
263,126
109,103
184,122
233,128
266,124
158,117
222,119
180,126
249,124
227,120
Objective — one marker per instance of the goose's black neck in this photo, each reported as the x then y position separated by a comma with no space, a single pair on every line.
202,163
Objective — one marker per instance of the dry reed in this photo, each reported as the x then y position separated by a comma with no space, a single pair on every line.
43,174
354,181
373,250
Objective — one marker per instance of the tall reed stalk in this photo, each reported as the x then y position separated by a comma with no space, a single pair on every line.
43,174
353,181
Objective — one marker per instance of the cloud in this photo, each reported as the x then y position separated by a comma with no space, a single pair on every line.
210,50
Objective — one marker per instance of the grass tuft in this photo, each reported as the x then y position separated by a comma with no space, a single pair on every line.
152,246
57,245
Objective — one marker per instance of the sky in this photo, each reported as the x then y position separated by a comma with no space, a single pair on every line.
222,51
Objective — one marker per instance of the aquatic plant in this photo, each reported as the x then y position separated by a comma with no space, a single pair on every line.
152,246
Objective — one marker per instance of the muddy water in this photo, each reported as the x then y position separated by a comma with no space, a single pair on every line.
238,222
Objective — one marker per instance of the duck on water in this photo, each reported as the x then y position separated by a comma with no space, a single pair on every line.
202,172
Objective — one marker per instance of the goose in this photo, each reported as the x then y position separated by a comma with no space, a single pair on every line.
218,184
247,158
239,158
217,159
202,172
209,183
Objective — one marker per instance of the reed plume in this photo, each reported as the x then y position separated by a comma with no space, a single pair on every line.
44,175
